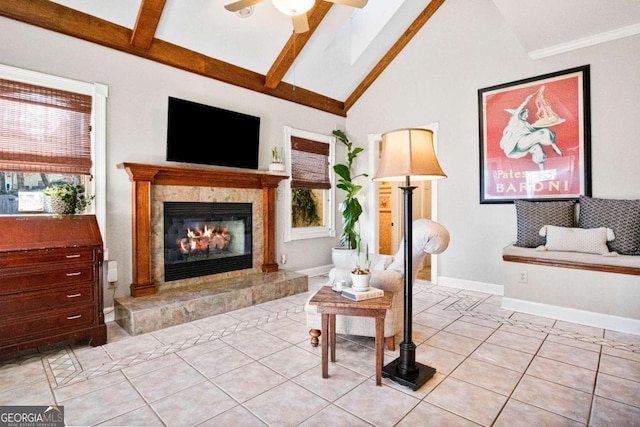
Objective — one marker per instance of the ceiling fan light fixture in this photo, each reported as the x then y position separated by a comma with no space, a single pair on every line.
293,7
246,12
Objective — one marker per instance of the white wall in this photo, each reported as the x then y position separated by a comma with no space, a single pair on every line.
467,46
137,110
464,47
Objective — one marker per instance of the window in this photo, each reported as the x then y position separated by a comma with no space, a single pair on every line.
52,131
309,194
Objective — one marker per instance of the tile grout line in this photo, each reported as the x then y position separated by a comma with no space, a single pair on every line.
125,362
59,376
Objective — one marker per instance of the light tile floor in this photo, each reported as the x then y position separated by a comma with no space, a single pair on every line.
255,367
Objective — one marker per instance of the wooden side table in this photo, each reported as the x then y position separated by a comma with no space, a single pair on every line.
331,303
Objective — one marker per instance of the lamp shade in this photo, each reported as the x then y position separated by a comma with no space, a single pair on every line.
293,7
408,153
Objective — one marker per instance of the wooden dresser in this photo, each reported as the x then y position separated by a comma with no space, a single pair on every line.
50,281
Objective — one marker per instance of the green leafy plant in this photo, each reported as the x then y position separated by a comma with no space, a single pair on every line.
350,207
275,155
73,196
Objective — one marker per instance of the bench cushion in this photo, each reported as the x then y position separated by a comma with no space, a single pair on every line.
625,261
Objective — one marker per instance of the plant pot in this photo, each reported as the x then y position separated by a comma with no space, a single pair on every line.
360,282
55,204
276,167
343,258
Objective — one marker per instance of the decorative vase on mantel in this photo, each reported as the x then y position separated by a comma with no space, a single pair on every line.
276,165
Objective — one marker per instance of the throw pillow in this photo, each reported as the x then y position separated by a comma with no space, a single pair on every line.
590,241
622,216
531,216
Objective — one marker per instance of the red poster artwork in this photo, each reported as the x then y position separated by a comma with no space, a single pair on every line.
534,138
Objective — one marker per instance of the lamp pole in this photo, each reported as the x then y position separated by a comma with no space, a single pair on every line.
405,370
407,153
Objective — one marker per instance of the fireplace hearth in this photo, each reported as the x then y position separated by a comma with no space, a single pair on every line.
203,238
154,304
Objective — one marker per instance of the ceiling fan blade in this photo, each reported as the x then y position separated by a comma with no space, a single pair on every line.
353,3
241,4
300,23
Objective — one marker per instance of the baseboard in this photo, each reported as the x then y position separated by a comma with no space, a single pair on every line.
589,318
109,314
471,285
317,271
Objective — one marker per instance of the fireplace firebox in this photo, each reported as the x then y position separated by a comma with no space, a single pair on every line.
204,238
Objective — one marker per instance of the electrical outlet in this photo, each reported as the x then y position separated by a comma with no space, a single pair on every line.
283,259
523,277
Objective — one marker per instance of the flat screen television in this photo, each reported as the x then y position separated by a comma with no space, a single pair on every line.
203,134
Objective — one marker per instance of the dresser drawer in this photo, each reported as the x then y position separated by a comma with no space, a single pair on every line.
19,304
17,280
46,256
53,322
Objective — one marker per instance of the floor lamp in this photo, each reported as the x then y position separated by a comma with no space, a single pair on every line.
406,155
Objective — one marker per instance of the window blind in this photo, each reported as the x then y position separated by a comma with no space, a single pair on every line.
309,164
44,130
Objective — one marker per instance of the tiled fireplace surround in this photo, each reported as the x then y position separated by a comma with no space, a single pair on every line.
155,304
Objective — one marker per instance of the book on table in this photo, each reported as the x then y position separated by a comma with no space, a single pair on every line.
354,295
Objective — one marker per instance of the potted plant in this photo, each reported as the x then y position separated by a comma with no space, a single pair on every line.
276,164
66,198
360,275
350,207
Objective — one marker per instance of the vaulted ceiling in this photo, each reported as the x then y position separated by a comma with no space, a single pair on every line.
327,68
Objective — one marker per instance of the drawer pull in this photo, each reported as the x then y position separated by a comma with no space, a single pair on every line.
77,273
74,295
77,316
73,256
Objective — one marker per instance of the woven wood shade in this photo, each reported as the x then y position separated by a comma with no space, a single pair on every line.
44,130
309,164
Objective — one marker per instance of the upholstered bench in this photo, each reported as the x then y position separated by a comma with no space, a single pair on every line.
589,268
620,264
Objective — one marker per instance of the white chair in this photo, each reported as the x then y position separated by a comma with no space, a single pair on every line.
387,273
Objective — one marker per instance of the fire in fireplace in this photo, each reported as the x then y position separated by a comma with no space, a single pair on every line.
203,238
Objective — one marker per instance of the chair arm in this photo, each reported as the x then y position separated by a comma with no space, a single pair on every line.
387,280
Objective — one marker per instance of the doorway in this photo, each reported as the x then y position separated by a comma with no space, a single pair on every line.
391,218
386,205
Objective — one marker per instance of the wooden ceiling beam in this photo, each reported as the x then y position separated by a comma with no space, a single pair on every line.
147,23
404,39
294,45
55,17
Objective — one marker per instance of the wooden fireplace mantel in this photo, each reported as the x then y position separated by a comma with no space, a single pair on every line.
143,176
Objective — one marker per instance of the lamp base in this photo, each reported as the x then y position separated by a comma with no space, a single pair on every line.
414,380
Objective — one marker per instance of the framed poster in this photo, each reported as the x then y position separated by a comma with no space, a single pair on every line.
535,137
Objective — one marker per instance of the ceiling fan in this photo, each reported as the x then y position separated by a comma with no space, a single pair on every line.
297,9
